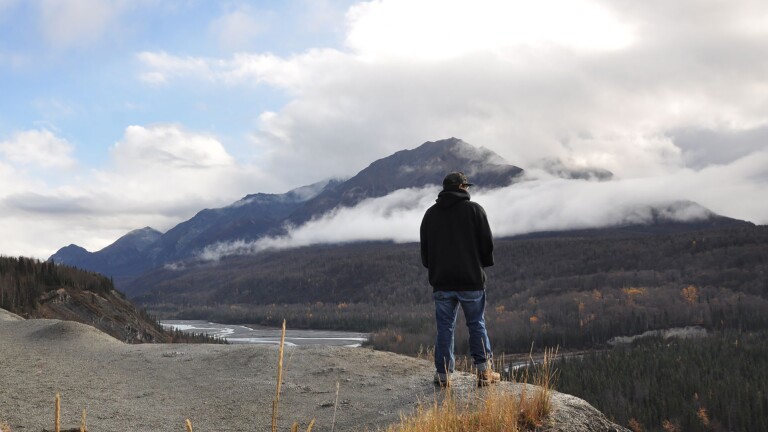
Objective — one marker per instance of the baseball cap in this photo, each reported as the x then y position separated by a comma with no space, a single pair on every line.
456,179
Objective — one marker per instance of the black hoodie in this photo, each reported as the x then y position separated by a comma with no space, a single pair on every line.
456,243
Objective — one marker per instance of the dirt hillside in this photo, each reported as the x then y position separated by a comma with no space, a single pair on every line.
155,387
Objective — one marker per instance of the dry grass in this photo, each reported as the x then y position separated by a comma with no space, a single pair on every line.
539,406
4,427
496,409
276,401
496,412
57,414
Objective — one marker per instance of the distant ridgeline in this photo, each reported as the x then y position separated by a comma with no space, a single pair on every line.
258,215
34,289
261,215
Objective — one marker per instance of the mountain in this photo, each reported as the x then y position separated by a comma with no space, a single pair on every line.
558,168
424,165
121,260
246,219
260,214
143,249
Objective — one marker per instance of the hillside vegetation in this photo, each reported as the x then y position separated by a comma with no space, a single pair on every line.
718,383
573,292
34,289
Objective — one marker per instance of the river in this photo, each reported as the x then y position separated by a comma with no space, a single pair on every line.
240,334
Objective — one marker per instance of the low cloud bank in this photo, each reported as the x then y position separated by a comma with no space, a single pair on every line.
539,203
393,217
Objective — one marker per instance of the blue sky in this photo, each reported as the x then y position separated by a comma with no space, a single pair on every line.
115,115
80,77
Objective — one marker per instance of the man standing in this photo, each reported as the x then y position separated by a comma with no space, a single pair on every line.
456,244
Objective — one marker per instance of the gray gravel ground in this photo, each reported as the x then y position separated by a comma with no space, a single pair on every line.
154,387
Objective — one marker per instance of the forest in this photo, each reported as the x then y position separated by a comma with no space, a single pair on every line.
31,288
574,293
24,280
717,383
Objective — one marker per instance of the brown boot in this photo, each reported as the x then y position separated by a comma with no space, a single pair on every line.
442,380
487,377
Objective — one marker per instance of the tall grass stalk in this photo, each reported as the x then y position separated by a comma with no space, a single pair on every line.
83,426
57,414
335,405
188,425
276,401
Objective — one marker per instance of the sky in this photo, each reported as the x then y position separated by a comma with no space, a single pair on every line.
121,114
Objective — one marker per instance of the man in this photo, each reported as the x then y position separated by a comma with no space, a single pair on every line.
456,244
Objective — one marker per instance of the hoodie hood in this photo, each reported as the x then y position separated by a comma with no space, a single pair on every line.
448,198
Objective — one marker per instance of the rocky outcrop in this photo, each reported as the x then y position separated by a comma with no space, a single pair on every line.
110,313
571,414
568,413
35,289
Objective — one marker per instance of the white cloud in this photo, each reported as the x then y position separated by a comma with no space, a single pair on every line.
37,148
169,147
391,217
555,204
158,176
541,203
704,147
421,70
164,66
439,29
74,23
165,174
293,74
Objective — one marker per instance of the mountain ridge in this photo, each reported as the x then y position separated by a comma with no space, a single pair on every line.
259,215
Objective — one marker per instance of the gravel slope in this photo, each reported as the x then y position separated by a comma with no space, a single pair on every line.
155,387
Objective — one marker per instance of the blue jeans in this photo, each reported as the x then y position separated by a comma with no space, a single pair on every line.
446,309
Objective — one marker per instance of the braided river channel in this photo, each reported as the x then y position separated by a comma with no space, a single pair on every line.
238,334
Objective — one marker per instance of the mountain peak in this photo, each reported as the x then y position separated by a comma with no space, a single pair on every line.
415,168
431,161
558,168
69,254
459,148
139,239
